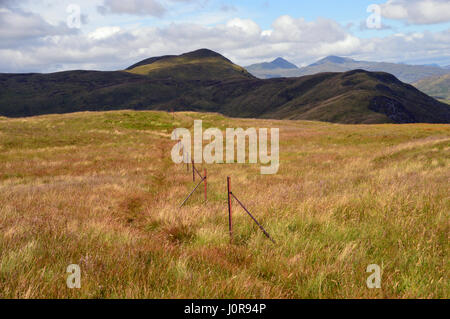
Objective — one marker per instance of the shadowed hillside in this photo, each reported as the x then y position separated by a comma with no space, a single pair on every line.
208,82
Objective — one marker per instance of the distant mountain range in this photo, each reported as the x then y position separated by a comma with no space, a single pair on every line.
271,69
278,68
205,81
404,72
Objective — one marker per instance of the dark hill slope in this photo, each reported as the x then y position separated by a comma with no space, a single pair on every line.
202,81
352,97
73,91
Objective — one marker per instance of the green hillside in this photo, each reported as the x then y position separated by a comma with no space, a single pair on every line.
436,86
205,81
200,65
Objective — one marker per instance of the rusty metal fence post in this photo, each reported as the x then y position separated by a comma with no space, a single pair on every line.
206,186
187,161
230,216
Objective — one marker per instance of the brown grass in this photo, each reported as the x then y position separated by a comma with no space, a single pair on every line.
100,190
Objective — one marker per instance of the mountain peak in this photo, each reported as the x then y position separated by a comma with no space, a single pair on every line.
278,63
333,59
201,64
283,64
198,54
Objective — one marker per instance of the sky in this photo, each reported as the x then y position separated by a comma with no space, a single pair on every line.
57,35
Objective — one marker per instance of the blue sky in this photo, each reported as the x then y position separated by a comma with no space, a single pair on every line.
343,11
35,35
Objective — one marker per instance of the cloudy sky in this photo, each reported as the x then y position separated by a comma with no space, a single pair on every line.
55,35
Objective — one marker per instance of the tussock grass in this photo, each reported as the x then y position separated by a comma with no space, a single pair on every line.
100,190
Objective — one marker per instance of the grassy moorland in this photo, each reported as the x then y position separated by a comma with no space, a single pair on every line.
100,190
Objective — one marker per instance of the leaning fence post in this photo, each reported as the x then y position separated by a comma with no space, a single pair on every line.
189,196
254,219
193,171
230,217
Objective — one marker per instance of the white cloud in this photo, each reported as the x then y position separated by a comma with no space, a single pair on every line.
289,29
28,43
247,26
18,27
416,46
10,3
103,33
346,46
136,7
417,11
